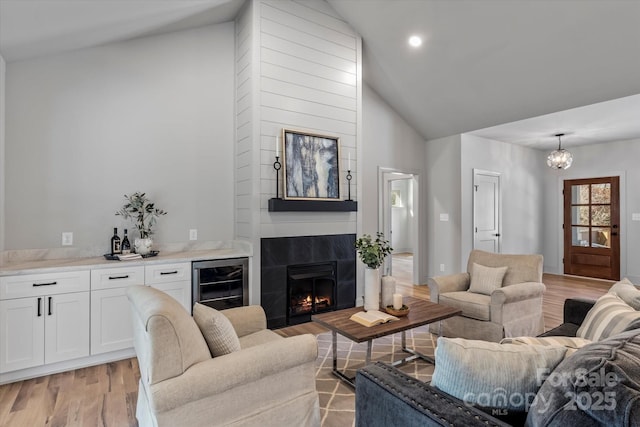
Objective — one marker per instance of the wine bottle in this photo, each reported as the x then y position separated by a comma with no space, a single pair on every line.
126,246
115,243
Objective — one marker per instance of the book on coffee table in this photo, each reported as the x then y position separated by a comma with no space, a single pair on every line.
372,317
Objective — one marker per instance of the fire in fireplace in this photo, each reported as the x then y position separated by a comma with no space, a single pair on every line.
311,289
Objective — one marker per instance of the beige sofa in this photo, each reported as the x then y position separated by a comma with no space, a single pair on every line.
515,309
270,381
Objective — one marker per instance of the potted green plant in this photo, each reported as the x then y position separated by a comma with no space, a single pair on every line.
372,253
144,215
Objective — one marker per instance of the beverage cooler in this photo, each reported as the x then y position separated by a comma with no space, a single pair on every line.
221,283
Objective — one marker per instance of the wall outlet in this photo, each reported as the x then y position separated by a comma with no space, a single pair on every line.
444,217
193,234
441,267
635,217
67,238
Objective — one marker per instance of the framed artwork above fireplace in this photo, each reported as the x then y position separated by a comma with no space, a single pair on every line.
311,166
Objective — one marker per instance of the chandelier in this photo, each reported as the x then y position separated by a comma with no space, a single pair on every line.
560,158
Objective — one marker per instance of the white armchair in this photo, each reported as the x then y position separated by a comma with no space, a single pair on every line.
514,309
270,381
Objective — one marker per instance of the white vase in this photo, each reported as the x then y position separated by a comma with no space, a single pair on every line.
143,246
371,288
388,289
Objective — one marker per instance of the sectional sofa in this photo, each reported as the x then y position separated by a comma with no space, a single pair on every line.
586,372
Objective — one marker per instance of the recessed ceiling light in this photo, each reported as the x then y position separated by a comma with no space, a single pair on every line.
415,41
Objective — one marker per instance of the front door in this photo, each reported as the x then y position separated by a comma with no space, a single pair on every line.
591,227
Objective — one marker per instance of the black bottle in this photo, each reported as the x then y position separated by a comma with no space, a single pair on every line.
126,246
115,243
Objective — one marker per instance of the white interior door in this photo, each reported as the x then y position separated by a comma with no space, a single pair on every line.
487,215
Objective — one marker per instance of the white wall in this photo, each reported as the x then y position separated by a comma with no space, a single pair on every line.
2,151
389,142
308,75
86,127
298,66
443,197
521,170
619,158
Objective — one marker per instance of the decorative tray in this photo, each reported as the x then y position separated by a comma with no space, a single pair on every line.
398,313
116,257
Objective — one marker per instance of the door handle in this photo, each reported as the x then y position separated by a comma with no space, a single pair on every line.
497,234
39,307
50,306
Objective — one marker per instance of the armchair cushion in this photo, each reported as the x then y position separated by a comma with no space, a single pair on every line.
217,330
609,316
475,306
246,319
491,374
258,338
485,280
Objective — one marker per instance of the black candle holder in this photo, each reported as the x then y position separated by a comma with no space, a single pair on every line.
277,166
349,178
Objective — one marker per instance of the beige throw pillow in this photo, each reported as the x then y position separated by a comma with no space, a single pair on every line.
609,316
572,344
217,330
485,280
492,374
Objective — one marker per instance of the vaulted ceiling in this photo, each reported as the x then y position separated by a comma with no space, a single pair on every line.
516,71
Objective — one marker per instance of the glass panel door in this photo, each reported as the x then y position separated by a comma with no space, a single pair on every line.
591,227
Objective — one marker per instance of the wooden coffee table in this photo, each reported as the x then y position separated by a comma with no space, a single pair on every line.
421,313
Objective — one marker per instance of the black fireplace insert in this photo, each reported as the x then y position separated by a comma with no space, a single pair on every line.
311,289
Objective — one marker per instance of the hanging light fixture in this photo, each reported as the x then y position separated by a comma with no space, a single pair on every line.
560,158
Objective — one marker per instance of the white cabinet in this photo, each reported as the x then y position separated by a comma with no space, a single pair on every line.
22,334
44,318
111,324
110,311
174,279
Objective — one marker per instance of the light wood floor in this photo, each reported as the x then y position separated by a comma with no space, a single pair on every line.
105,395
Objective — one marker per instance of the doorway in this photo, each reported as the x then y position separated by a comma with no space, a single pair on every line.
591,227
487,211
398,220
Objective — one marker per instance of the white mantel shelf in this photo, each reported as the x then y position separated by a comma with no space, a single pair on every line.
26,266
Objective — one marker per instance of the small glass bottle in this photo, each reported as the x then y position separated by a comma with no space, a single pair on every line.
115,243
126,246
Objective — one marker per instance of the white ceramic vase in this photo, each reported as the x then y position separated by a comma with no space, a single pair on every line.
371,288
143,246
388,289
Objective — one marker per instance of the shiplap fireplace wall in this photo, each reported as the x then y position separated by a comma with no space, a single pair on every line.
298,66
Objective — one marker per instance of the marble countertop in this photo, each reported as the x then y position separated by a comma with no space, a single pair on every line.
24,265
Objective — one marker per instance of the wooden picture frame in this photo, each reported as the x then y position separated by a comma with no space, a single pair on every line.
311,166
